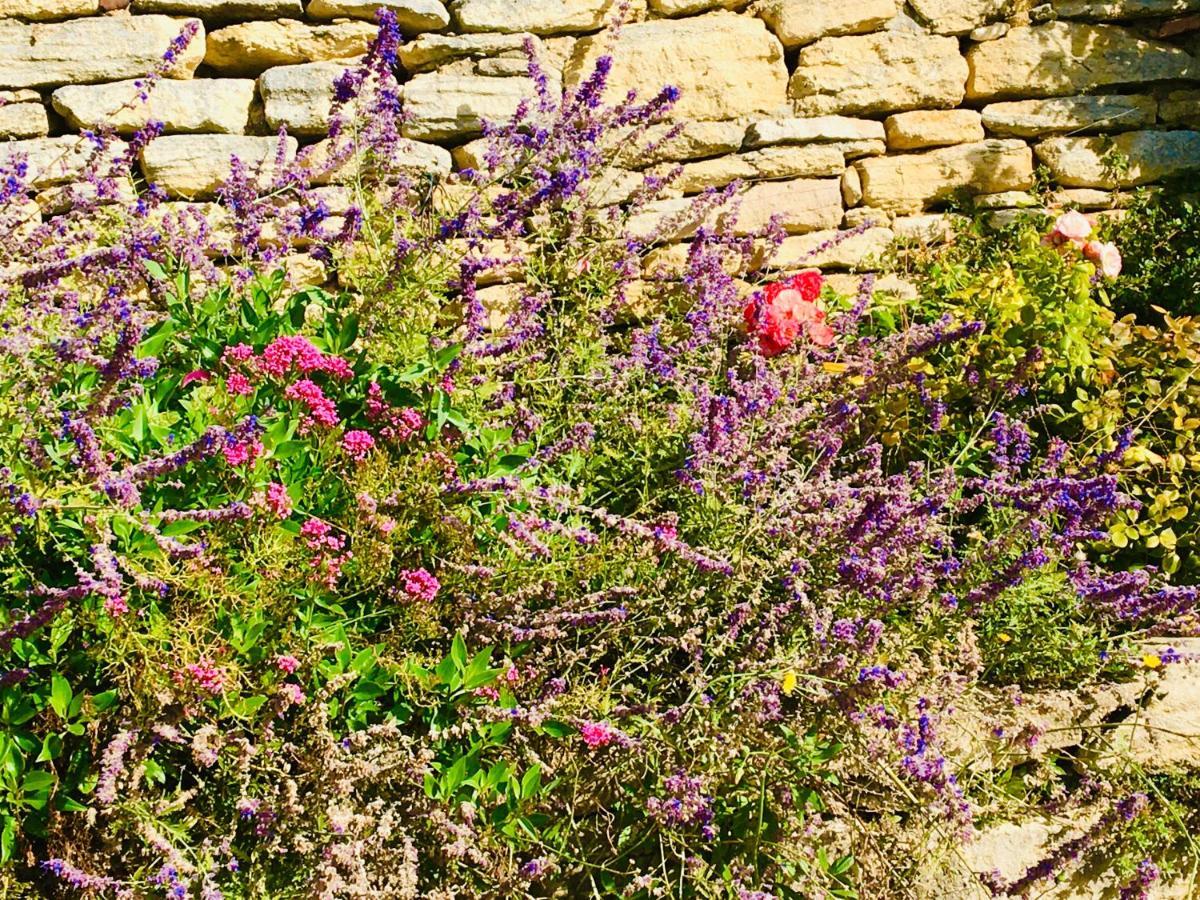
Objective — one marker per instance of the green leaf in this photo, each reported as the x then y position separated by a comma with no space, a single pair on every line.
60,695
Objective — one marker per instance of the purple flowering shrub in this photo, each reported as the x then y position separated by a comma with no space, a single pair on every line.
395,589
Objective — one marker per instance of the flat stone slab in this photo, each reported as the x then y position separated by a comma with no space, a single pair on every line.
798,22
812,130
250,48
1059,115
1127,160
200,106
299,98
59,160
446,106
413,16
196,165
909,183
225,10
537,16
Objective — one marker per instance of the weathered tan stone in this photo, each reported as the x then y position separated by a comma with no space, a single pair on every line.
866,217
724,64
413,16
894,285
204,105
1063,58
889,71
1127,160
1085,198
1180,108
797,22
47,10
960,16
992,32
432,50
299,98
851,187
692,7
680,141
116,47
771,163
537,16
195,165
1007,200
59,199
23,120
798,206
410,157
250,48
930,228
59,160
455,106
225,10
818,129
911,182
827,250
671,219
671,262
933,128
1122,9
1058,115
1165,734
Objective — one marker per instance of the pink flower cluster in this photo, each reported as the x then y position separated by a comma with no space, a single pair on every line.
320,408
287,664
1073,229
278,501
598,734
294,351
204,675
330,552
357,444
116,605
785,311
398,424
419,584
243,452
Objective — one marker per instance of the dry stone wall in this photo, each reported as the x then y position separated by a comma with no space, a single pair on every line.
834,114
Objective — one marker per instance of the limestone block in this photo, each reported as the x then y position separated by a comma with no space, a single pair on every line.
889,71
907,184
60,160
1122,9
817,129
195,165
933,128
299,98
47,55
47,10
1127,160
851,187
1180,108
797,22
1058,115
725,65
413,16
1063,58
250,48
537,16
692,7
771,163
225,10
829,250
798,206
331,166
204,105
455,106
23,120
960,16
432,50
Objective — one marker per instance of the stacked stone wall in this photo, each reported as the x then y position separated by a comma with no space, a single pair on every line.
833,113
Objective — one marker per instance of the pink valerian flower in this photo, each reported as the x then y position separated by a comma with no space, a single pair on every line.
398,424
290,352
321,409
419,584
238,353
357,444
116,605
598,734
1105,256
287,664
1070,228
243,452
329,559
278,501
204,675
238,385
786,310
196,375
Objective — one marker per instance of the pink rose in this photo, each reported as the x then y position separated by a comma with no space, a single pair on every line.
1072,226
1105,256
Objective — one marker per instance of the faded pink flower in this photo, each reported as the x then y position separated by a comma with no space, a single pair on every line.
116,606
1072,227
237,353
292,694
1106,257
287,664
357,444
206,676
